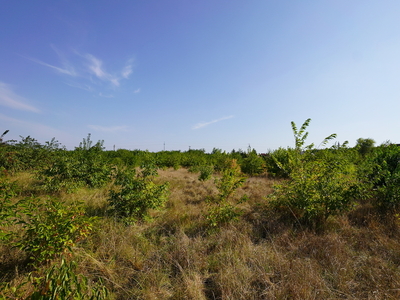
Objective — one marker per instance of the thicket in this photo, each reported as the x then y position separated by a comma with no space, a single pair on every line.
44,231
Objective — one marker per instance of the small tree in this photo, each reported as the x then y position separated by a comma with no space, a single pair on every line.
321,183
136,194
365,146
253,164
221,208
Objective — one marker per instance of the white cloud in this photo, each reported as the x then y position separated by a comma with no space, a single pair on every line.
96,67
127,71
90,65
67,69
10,99
204,124
108,129
137,91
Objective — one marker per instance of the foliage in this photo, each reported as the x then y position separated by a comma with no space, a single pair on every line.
364,146
83,167
321,183
220,208
8,208
2,142
253,164
50,228
231,180
277,163
62,282
385,175
137,194
72,171
205,172
221,214
26,154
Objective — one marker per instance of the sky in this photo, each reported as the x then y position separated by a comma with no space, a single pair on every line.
187,74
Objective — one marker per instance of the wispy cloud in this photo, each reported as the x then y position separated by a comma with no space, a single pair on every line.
204,124
137,91
85,67
106,96
10,99
67,71
108,129
67,68
127,70
80,86
96,67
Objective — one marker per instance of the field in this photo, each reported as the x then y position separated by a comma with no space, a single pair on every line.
293,224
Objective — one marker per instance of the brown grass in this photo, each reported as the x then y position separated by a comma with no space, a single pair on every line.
356,256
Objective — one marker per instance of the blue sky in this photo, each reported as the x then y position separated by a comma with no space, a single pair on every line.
199,74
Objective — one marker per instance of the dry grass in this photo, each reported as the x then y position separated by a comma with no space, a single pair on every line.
356,256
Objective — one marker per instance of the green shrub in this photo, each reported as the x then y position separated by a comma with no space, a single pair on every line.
277,163
137,193
85,166
220,208
205,172
62,282
8,208
253,164
50,228
321,183
385,175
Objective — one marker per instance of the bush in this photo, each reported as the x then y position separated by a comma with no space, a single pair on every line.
50,228
385,175
220,208
85,166
321,183
253,164
8,208
136,194
62,282
59,281
277,163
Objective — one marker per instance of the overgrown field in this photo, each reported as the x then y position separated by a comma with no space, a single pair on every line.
296,223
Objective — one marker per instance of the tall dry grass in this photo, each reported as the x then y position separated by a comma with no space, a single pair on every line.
355,256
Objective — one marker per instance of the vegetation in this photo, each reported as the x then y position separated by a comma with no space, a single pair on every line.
295,223
136,194
321,183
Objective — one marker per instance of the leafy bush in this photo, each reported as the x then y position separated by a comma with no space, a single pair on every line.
8,208
27,154
62,282
57,282
321,183
220,208
85,166
253,164
385,175
277,163
137,193
205,172
50,228
365,146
